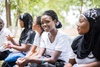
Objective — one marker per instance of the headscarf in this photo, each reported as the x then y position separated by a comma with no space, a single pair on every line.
27,32
89,42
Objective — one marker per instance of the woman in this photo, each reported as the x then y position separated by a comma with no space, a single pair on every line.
54,43
35,48
25,41
87,46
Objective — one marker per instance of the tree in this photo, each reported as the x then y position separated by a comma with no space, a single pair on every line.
8,15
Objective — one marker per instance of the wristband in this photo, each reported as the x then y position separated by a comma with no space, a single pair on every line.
43,61
9,46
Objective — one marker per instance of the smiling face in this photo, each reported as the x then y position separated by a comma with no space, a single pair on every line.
83,25
47,23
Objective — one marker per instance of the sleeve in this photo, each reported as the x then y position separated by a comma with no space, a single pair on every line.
36,40
63,43
42,41
9,33
30,38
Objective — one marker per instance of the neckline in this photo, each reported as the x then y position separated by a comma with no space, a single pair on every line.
54,39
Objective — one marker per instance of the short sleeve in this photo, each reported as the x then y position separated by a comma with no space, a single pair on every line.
63,43
42,41
30,38
36,39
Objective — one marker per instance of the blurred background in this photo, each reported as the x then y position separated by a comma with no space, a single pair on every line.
68,12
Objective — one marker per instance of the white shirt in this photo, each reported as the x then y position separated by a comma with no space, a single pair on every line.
37,39
86,60
61,43
3,33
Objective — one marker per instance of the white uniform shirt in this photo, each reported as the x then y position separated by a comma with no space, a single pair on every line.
86,60
3,33
61,43
37,39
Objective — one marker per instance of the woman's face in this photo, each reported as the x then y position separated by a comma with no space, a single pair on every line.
83,25
47,23
21,24
35,26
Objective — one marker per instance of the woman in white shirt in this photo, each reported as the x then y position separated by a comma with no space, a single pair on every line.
54,44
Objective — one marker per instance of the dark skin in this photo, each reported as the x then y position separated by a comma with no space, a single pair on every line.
49,26
83,28
32,53
17,46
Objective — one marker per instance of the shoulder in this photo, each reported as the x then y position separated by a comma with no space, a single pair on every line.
77,38
44,34
76,41
31,32
61,34
6,30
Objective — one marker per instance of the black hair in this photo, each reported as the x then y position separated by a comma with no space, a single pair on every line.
38,22
27,19
54,16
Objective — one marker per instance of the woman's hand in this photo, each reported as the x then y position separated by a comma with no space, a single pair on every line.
68,65
9,38
22,61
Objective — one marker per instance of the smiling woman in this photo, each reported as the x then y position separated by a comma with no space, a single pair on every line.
55,48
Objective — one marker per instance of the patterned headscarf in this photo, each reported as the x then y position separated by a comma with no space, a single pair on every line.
89,42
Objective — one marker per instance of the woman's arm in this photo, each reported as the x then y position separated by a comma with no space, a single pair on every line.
70,63
34,59
32,51
24,48
9,38
93,64
52,59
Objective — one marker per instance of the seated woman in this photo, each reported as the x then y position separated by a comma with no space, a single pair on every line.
54,44
87,46
25,41
35,48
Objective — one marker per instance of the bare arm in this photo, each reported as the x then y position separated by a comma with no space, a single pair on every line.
70,63
93,64
50,60
32,51
31,59
11,40
24,48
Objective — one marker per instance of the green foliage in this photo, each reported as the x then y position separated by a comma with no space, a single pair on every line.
37,7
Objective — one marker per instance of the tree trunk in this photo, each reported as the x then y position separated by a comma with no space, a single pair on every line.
8,14
81,6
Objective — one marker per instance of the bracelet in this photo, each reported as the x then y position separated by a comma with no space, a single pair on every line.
43,61
9,46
